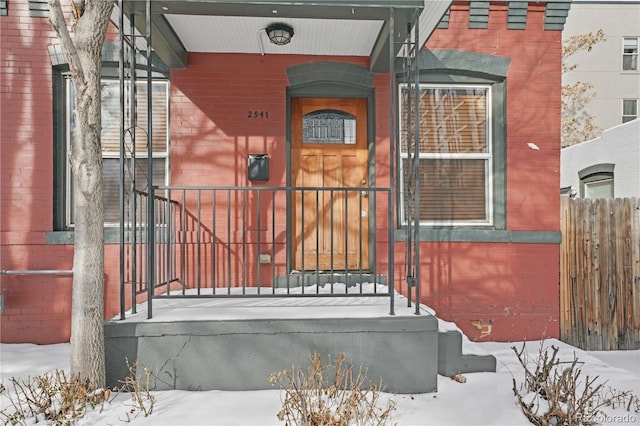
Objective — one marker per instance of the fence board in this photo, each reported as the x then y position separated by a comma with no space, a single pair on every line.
600,273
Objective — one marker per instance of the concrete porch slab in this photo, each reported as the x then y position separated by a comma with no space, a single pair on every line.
235,344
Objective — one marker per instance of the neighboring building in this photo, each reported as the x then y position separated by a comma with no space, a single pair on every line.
226,101
611,66
605,167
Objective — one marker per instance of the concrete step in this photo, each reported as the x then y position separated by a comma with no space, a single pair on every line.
452,361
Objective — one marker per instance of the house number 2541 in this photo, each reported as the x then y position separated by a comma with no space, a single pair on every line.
257,114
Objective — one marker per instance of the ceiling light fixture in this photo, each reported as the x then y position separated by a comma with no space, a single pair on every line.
279,33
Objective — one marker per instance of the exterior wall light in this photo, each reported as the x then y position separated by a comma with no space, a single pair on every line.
279,34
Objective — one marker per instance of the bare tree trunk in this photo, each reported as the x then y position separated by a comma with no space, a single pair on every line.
84,53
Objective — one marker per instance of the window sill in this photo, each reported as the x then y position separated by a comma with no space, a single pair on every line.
475,235
111,236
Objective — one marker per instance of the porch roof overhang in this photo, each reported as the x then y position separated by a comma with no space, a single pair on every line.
322,27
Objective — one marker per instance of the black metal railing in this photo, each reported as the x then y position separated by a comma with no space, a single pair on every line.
136,245
260,242
177,246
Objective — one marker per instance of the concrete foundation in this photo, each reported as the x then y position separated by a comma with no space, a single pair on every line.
237,355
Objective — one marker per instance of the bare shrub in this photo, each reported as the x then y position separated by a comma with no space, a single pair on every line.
313,398
554,392
139,386
51,397
55,399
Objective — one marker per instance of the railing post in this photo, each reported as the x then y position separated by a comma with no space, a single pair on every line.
416,111
151,229
258,249
198,250
214,270
391,254
121,185
392,160
183,240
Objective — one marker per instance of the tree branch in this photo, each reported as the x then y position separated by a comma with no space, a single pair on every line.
59,24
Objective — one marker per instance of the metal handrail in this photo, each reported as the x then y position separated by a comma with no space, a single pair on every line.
212,239
36,272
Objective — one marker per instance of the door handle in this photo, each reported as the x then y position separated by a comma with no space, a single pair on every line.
365,194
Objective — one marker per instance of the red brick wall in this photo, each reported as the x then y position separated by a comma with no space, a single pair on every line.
533,107
210,101
513,287
37,308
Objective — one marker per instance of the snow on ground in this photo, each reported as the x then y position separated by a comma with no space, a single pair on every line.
485,399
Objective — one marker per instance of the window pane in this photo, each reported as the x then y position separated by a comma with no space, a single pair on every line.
452,120
630,45
629,110
599,189
110,138
450,190
111,169
630,63
629,107
630,54
329,126
111,117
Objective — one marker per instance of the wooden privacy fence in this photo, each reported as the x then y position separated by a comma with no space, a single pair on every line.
600,273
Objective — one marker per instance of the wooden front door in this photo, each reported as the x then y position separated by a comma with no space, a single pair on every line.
329,150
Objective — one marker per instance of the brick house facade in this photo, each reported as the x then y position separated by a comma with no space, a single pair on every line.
504,275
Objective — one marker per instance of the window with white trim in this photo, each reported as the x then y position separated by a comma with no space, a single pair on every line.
454,156
601,187
629,109
597,181
630,53
136,160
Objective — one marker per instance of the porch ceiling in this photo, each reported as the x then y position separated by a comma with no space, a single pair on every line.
322,27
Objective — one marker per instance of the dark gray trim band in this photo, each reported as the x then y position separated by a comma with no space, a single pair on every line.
111,236
166,44
327,75
38,9
555,14
462,62
602,168
459,235
517,15
426,235
111,57
479,14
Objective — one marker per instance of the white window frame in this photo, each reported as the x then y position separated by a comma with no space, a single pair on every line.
622,115
636,54
164,155
589,184
487,156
